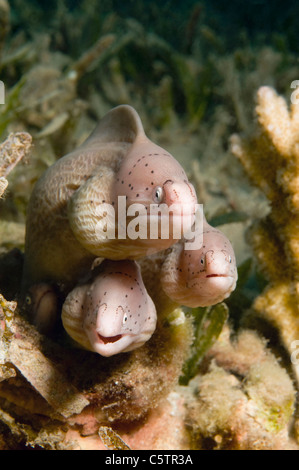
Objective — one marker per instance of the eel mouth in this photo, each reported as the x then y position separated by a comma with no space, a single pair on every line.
217,275
109,339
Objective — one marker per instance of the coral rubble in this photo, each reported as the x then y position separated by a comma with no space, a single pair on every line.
39,384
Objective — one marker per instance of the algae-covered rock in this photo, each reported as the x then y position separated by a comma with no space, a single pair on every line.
242,401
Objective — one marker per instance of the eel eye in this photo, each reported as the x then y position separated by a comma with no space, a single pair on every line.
229,259
28,300
125,318
202,261
158,194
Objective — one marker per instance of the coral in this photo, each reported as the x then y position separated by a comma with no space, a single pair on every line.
244,399
239,397
271,158
40,386
111,439
14,149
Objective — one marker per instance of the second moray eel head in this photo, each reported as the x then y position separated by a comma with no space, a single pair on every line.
198,278
113,313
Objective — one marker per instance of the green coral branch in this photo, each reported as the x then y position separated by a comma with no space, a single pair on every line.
208,322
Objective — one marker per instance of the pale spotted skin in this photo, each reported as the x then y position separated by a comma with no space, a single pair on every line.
203,277
94,313
150,175
62,239
147,175
112,313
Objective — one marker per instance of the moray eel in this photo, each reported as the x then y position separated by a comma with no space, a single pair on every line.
113,312
193,278
64,227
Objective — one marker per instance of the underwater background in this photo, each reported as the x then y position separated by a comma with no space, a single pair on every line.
194,71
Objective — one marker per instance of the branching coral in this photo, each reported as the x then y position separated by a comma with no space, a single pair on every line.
271,159
12,151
